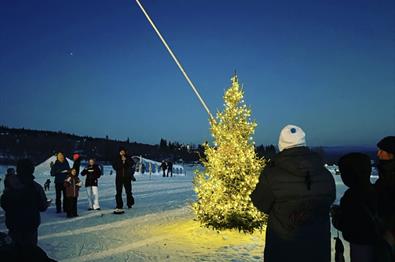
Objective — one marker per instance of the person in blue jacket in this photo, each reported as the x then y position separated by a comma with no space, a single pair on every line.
60,170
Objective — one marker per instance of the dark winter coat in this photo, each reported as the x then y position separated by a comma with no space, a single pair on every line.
77,165
7,179
124,169
296,191
72,185
22,201
92,174
385,187
163,166
353,220
359,202
59,171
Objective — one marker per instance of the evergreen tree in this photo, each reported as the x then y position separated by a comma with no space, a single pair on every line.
231,169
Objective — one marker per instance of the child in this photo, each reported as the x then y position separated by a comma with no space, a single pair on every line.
72,185
357,206
92,173
46,184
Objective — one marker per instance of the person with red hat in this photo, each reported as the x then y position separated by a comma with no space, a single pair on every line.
77,162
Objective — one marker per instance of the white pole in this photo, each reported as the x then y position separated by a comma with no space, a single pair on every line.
175,58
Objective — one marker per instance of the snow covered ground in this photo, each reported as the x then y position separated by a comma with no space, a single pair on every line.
159,227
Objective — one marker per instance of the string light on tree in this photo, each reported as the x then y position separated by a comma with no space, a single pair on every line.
231,169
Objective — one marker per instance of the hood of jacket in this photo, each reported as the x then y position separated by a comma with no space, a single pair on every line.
299,161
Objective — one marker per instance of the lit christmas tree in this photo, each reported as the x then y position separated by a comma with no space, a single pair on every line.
231,169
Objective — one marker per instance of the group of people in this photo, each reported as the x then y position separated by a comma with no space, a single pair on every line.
167,166
297,192
67,183
23,199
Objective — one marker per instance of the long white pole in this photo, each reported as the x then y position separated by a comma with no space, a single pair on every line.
175,59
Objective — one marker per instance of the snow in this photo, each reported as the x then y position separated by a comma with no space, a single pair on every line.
159,227
44,169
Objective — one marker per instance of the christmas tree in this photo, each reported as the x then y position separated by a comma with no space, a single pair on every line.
231,169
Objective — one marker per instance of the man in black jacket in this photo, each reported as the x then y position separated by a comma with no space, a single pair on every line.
296,191
23,200
124,167
163,166
385,187
169,168
59,170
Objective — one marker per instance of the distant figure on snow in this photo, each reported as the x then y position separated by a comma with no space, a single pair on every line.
59,170
296,191
163,166
72,185
353,216
169,168
92,173
46,184
124,167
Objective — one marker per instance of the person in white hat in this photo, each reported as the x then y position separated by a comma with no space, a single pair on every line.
296,191
291,136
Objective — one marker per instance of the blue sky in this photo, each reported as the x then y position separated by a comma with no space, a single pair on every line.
97,68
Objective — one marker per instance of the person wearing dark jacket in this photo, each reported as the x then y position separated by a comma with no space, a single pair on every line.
163,166
124,167
296,191
72,185
92,173
59,170
169,168
22,201
385,187
358,204
10,172
77,162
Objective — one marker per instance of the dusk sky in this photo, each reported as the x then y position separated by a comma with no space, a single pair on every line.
97,68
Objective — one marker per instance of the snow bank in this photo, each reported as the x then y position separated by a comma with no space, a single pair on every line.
44,169
155,167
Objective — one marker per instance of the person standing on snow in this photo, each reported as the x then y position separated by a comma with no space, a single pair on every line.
10,172
296,191
163,166
77,162
59,170
47,184
124,168
22,201
92,173
385,187
72,185
169,168
353,216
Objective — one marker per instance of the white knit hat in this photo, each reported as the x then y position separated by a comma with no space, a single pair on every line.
291,136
